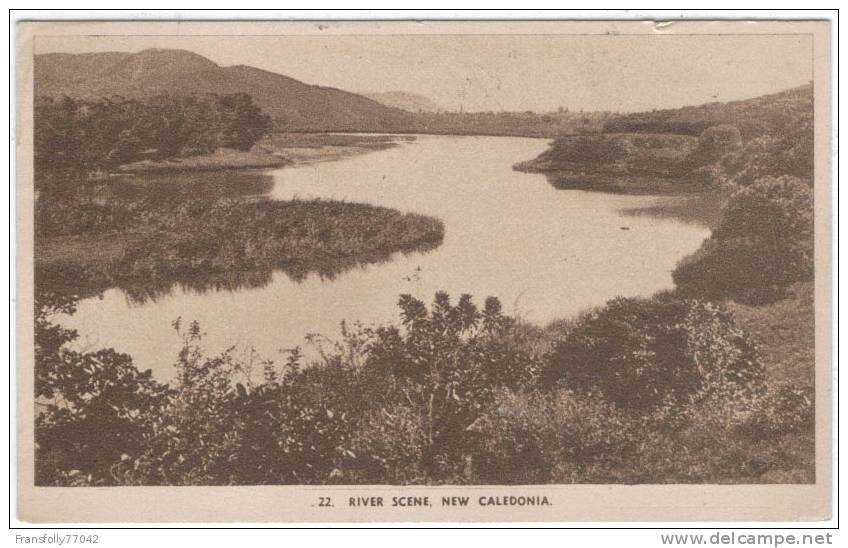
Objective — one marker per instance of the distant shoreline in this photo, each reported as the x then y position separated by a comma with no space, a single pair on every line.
292,149
275,150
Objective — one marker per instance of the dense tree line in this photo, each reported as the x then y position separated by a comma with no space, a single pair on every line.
100,134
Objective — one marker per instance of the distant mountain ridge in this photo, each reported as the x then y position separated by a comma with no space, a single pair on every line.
292,104
410,102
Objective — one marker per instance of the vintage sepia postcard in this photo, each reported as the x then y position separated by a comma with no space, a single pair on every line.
435,271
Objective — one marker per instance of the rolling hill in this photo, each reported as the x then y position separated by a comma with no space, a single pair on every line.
753,117
293,105
410,102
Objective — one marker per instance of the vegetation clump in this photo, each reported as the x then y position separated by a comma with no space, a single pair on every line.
101,134
612,161
641,354
763,244
196,238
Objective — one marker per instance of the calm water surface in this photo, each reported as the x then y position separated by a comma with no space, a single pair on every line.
546,253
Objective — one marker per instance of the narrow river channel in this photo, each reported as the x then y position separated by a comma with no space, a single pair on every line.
546,253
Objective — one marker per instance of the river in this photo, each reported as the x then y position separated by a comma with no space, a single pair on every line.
546,253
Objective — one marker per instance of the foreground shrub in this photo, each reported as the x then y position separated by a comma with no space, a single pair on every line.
552,437
782,409
450,396
763,245
643,353
446,362
95,406
764,438
391,445
566,437
217,431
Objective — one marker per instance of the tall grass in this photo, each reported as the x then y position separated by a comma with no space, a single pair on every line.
195,240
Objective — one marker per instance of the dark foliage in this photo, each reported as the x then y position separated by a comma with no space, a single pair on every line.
101,408
763,244
451,395
98,135
618,155
788,152
713,143
641,354
214,425
444,365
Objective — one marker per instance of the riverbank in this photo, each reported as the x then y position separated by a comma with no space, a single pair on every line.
223,158
617,162
275,150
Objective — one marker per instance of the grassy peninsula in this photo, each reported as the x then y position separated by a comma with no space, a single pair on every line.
87,247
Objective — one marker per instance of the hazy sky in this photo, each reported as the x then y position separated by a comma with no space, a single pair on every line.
509,72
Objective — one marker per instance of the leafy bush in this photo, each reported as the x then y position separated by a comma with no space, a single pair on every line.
763,244
780,410
766,437
97,406
214,430
641,354
391,445
786,150
713,143
446,363
552,437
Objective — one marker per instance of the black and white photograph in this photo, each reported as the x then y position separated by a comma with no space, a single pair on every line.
490,261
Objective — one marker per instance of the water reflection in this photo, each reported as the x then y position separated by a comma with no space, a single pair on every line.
199,284
624,184
702,209
675,200
203,283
